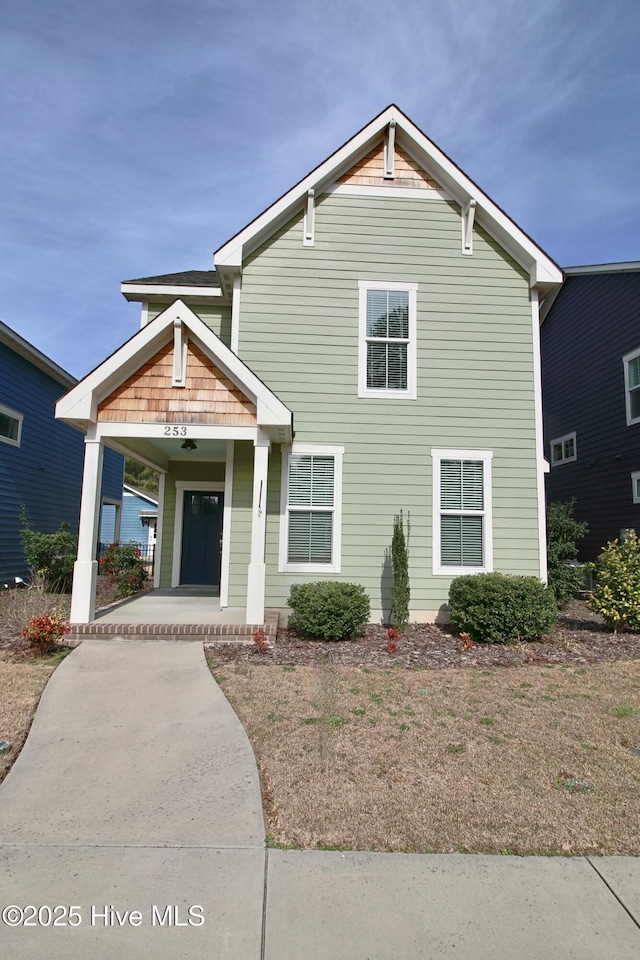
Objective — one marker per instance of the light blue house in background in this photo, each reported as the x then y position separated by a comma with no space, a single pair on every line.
137,521
41,458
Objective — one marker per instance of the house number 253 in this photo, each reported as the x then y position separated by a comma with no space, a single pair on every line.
175,431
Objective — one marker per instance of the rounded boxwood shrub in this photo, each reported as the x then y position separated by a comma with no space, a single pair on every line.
500,608
329,609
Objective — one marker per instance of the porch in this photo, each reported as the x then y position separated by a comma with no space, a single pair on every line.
184,613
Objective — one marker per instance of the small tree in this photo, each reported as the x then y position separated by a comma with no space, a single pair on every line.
616,593
50,555
400,589
563,533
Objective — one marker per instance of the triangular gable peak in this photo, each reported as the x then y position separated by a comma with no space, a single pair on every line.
208,396
175,369
392,125
370,171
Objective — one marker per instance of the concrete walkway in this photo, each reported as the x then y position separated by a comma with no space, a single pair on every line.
137,790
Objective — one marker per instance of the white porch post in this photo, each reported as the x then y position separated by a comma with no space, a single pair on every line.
116,523
85,570
157,560
257,569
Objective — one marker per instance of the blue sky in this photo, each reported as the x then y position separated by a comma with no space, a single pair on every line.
136,136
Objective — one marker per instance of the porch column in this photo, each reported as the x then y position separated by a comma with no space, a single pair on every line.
157,558
257,568
85,569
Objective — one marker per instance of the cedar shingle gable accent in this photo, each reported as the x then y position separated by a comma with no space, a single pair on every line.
369,171
208,397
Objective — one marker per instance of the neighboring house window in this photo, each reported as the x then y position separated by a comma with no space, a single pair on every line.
387,364
10,426
311,509
635,482
462,516
632,385
564,449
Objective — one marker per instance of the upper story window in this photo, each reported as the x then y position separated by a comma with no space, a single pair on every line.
462,521
311,509
564,449
632,385
10,426
387,364
635,485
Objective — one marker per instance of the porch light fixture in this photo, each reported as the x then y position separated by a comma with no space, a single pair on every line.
189,445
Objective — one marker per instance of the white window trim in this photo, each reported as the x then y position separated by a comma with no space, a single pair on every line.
438,455
635,476
8,412
363,391
325,450
627,389
563,440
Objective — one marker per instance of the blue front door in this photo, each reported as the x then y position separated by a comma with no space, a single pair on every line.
201,537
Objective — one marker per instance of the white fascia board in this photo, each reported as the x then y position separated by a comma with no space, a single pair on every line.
231,253
544,273
80,404
138,291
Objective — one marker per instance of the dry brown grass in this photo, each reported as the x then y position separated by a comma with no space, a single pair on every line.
21,686
525,760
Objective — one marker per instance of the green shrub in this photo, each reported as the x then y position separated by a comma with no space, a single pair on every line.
329,609
565,579
50,555
124,567
499,608
616,592
400,589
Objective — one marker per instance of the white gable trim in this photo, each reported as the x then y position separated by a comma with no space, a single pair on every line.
81,403
544,273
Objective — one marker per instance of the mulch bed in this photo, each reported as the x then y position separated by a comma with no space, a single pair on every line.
580,637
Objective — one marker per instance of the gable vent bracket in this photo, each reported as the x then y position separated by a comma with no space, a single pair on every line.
309,227
179,355
468,217
390,152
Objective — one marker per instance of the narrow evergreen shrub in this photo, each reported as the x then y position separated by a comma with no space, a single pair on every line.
499,608
329,609
616,592
400,589
50,555
563,533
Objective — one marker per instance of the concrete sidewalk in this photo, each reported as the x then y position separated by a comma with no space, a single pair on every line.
137,790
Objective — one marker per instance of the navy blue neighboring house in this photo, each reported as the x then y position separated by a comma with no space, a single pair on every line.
590,341
41,458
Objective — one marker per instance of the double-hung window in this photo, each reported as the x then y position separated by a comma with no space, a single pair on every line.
564,449
311,509
462,516
632,386
10,426
387,365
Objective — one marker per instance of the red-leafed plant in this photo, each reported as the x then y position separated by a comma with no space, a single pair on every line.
260,640
393,635
123,565
44,631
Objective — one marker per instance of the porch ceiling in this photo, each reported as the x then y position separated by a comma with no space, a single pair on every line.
157,453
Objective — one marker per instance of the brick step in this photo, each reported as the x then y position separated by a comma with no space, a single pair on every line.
209,633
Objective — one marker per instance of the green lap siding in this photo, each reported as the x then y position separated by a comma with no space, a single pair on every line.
475,382
217,316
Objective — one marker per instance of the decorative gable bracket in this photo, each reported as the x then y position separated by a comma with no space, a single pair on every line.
468,217
390,152
309,227
179,354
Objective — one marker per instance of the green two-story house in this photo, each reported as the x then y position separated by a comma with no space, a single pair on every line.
367,345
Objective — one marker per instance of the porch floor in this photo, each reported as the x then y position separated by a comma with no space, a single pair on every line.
183,613
178,605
